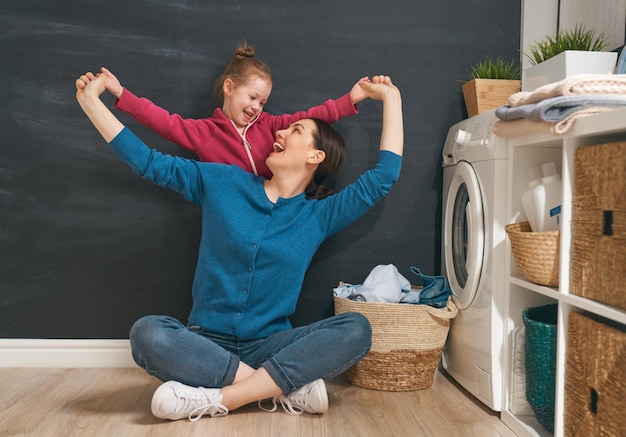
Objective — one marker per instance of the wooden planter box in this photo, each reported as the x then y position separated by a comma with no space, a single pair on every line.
482,95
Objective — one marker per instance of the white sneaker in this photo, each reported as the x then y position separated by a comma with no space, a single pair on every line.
173,400
311,398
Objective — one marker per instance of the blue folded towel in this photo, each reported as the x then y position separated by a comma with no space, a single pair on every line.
556,109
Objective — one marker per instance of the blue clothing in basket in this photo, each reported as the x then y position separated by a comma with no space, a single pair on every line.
435,291
385,284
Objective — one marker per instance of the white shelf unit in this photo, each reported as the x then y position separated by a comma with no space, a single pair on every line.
533,150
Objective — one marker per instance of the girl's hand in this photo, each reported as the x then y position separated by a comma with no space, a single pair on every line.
112,83
358,93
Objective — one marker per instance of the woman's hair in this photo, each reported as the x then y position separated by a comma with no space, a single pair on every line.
241,67
331,142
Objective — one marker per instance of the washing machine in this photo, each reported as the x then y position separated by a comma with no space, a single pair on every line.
473,254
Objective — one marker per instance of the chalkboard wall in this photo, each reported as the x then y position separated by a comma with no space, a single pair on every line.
86,247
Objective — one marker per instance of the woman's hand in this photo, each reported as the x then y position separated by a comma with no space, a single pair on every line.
89,85
380,87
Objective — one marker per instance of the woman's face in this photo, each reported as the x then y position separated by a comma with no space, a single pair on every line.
294,146
244,102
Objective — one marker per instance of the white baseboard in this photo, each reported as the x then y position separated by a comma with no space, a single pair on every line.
65,353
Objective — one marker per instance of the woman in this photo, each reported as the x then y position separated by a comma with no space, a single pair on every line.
259,236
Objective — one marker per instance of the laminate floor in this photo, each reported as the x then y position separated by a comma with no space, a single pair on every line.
110,402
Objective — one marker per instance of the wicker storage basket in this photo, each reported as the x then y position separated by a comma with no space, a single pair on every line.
536,254
598,266
595,388
540,324
407,342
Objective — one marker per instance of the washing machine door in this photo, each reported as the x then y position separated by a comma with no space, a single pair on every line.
464,234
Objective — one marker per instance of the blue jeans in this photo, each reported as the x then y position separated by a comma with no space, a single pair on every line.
190,354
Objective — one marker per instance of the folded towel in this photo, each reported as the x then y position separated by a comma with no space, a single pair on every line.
524,126
573,85
556,109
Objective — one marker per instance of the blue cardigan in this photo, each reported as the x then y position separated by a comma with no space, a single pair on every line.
253,253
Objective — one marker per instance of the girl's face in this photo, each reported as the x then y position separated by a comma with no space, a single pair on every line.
295,146
244,102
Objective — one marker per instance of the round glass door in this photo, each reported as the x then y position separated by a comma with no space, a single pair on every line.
464,234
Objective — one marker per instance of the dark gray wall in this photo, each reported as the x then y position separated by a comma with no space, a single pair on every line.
86,247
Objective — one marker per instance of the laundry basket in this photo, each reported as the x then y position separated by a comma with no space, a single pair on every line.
536,254
407,342
594,377
540,324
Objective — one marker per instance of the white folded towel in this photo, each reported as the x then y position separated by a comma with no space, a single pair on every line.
574,85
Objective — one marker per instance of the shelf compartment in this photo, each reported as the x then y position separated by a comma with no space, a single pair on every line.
598,247
594,388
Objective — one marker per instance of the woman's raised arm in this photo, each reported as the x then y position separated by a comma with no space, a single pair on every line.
88,91
392,136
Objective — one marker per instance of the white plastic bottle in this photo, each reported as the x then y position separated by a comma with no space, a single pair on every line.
528,202
547,199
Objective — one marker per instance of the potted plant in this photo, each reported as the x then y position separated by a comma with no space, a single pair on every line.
570,52
491,82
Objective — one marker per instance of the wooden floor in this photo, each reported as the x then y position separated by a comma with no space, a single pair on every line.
109,402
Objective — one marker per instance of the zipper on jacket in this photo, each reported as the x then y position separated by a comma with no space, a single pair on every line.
248,147
246,144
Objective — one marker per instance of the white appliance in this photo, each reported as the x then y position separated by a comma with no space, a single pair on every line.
473,254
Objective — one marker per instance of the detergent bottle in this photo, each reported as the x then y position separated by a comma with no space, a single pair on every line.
528,202
547,199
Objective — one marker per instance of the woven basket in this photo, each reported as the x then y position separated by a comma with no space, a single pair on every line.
595,388
540,324
536,254
598,253
407,342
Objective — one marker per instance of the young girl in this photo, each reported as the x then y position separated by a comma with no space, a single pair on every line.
259,236
240,132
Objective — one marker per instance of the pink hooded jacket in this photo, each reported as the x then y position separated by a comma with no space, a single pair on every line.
216,139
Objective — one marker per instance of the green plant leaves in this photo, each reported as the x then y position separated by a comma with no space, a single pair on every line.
495,68
576,39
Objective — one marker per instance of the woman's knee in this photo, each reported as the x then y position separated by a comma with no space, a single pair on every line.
357,329
152,332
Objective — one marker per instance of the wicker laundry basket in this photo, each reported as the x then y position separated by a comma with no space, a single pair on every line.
536,254
407,342
595,388
540,325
